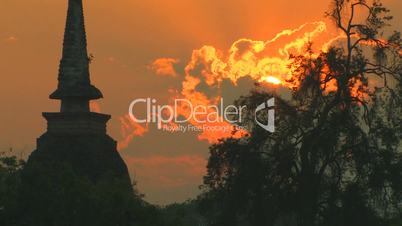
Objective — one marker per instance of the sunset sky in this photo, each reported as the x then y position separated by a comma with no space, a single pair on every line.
145,49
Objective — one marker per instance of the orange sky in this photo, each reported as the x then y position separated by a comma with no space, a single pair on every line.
126,36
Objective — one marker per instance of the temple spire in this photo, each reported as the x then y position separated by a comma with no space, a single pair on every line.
74,87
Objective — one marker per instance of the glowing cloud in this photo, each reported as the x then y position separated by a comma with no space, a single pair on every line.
164,66
129,130
94,107
263,61
11,39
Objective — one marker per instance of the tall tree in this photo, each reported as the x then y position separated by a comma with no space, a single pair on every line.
335,157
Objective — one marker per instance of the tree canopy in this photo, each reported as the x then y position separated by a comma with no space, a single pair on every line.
335,157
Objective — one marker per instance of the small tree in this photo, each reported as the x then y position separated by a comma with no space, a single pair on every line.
10,169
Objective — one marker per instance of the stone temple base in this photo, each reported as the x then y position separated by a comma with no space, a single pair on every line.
76,176
80,140
89,155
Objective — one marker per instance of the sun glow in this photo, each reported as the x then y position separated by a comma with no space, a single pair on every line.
271,79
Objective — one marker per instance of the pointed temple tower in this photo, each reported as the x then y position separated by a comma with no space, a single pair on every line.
75,136
75,176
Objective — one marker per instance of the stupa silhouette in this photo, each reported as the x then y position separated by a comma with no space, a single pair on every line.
75,135
75,155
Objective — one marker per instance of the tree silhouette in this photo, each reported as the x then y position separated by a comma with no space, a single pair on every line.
83,202
335,157
10,170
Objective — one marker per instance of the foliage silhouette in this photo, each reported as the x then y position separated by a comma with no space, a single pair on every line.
335,157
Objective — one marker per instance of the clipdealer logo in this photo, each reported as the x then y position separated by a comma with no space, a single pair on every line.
270,126
200,114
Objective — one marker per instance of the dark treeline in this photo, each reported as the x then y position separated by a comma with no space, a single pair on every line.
335,158
80,202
